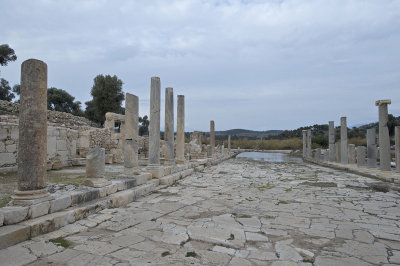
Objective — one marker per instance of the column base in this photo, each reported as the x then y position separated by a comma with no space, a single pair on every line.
178,161
30,197
155,170
96,182
131,171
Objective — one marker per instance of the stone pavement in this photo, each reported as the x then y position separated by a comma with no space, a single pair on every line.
236,213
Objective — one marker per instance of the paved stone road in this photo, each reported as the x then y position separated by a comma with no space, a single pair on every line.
236,213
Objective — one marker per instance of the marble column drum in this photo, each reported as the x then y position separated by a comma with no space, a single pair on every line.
331,141
95,168
212,136
131,145
169,127
384,141
180,130
32,146
343,141
371,148
154,129
304,143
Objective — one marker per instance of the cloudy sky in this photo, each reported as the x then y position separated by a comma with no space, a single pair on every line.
276,64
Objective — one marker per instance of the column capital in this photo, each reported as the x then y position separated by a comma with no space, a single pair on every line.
382,102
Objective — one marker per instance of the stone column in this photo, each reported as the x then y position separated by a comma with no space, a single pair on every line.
397,148
352,153
229,143
331,141
371,148
212,137
343,141
361,152
180,131
131,145
95,168
32,146
309,149
337,151
169,127
304,143
384,141
154,129
317,156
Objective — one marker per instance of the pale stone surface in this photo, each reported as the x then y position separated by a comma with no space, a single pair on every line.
304,143
212,136
371,148
169,127
131,144
397,148
352,153
95,164
39,209
344,159
12,234
361,156
13,215
331,141
60,202
384,140
229,143
180,130
154,127
16,255
309,144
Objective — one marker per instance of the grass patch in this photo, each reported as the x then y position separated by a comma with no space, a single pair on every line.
166,253
154,219
244,216
231,237
191,254
4,200
265,187
61,242
67,180
283,202
288,189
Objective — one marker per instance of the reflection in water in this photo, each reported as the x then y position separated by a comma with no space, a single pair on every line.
270,157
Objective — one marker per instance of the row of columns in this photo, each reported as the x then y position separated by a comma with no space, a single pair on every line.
348,153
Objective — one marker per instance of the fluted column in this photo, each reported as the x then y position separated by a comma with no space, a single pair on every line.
180,131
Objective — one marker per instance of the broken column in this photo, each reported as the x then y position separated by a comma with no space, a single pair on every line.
212,136
131,145
309,150
384,141
229,143
371,148
317,156
397,148
169,127
180,130
154,129
361,152
343,141
331,141
352,153
337,151
32,146
95,168
304,143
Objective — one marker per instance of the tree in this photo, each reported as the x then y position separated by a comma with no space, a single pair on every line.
62,101
7,54
144,125
107,97
5,91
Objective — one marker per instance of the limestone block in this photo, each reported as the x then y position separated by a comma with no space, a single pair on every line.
61,145
7,158
13,215
14,133
72,148
13,234
49,223
122,198
95,166
51,146
3,133
2,147
60,202
1,219
39,209
109,159
62,133
142,178
11,148
84,196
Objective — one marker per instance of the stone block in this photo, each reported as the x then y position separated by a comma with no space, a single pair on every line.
167,170
49,223
2,146
13,234
3,133
84,196
61,145
14,134
122,198
39,209
51,146
7,158
13,215
109,158
11,148
60,202
187,172
1,219
142,178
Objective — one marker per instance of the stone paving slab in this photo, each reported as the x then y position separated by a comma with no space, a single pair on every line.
236,213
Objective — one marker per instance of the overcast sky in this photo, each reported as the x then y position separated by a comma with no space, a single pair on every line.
260,65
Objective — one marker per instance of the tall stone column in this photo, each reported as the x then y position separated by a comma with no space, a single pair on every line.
212,136
352,153
154,130
309,146
180,131
337,151
331,141
229,143
304,143
397,147
361,151
371,148
384,141
131,145
32,146
343,141
169,126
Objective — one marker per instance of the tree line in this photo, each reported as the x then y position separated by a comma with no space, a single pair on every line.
107,96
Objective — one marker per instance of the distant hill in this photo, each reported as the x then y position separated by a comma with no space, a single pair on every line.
248,133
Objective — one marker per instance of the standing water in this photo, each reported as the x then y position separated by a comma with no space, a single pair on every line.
273,157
